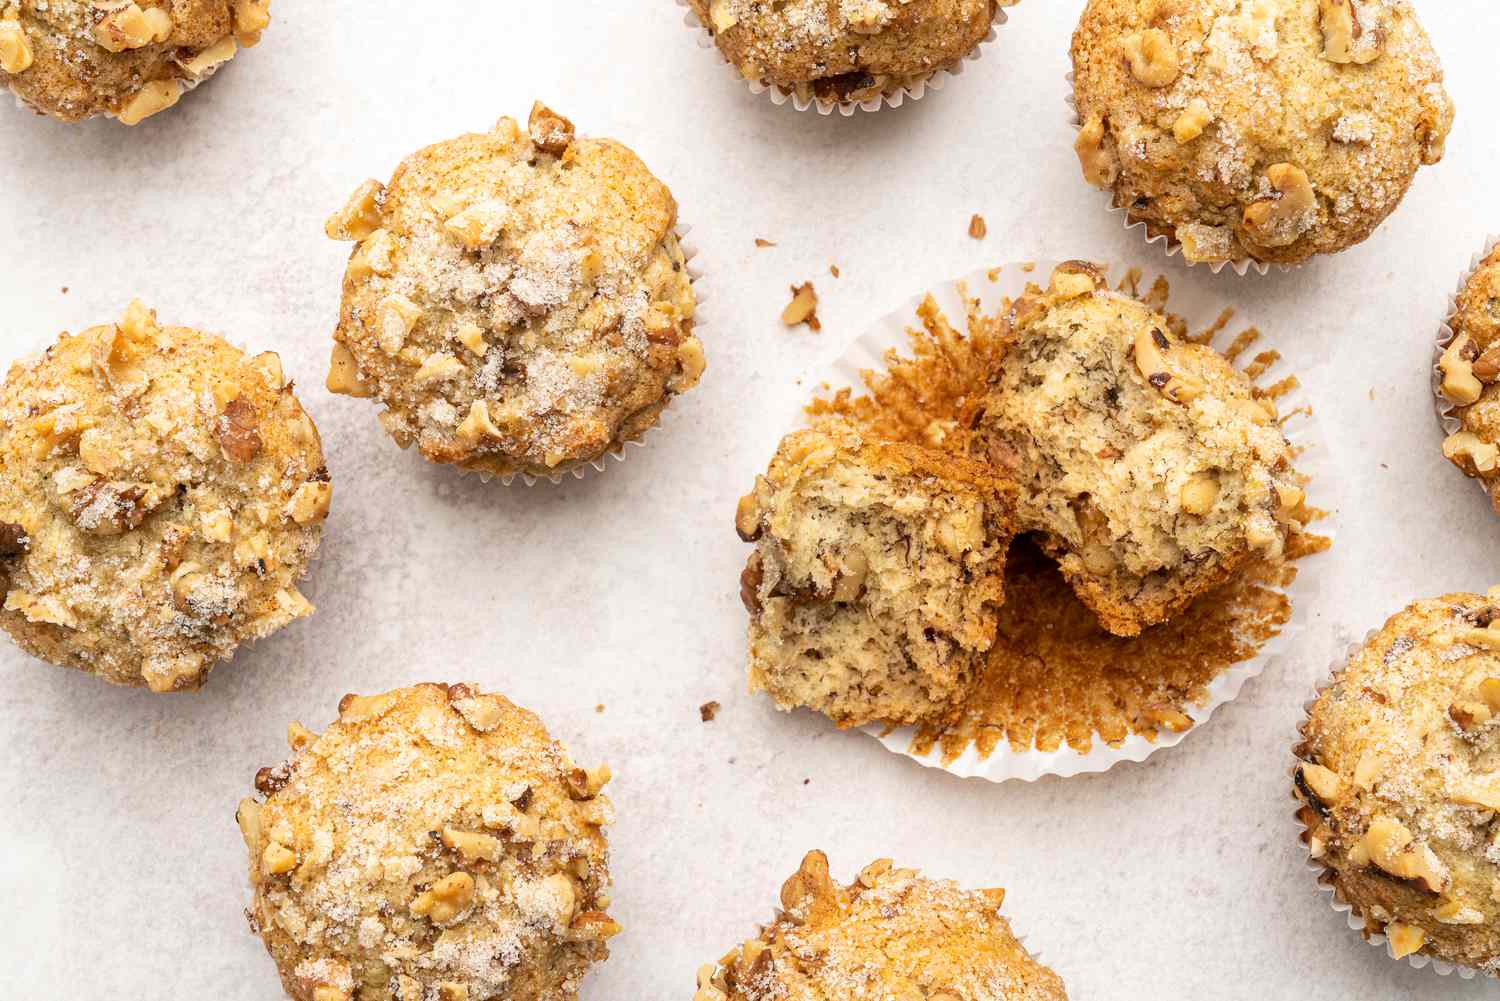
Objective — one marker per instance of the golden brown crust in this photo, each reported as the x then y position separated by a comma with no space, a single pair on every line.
434,842
171,492
846,51
128,59
890,935
1399,781
519,303
1253,128
876,575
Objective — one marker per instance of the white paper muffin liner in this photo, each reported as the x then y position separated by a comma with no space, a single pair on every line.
1319,871
579,470
991,287
1445,408
1171,247
913,91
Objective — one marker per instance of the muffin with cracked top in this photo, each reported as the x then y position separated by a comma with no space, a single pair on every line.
161,495
517,300
1398,776
125,59
433,844
891,935
846,52
1257,130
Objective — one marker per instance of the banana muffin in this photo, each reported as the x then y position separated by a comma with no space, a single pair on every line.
876,576
161,493
1264,130
433,844
1470,376
128,59
518,300
1399,781
1150,468
891,935
846,51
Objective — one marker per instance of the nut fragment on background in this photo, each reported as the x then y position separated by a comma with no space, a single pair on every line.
803,308
977,227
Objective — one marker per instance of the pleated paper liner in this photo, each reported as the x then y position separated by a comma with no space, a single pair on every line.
1322,873
1447,411
804,98
1060,696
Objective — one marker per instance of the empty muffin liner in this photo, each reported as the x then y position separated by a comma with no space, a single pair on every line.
1322,873
1171,246
913,91
992,288
581,469
1447,410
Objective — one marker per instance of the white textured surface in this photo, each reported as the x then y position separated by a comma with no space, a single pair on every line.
118,854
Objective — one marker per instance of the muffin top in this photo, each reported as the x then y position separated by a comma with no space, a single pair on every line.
845,50
518,301
1470,372
1400,780
161,494
433,843
876,576
1151,468
128,59
891,935
1264,129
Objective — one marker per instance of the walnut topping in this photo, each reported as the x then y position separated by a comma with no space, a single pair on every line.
309,505
1469,716
1389,845
210,58
154,98
476,427
109,509
130,27
277,859
394,319
1322,783
747,518
721,17
343,374
803,308
472,847
1101,165
1460,385
586,784
1458,912
1152,57
13,540
446,900
594,926
251,17
479,225
978,229
238,436
549,131
1345,39
708,712
1191,123
16,54
1199,494
482,712
46,609
1404,939
1281,220
1150,342
358,708
1471,453
360,215
809,894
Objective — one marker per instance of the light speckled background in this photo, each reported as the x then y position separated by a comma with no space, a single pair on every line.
119,858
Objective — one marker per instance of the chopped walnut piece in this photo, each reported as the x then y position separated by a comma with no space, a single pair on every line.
309,505
13,540
277,859
1281,220
1152,57
978,229
472,847
446,900
708,711
154,98
1321,782
594,926
1191,123
803,308
360,215
1152,364
251,17
358,708
763,243
16,54
1460,385
1345,39
238,436
1471,453
1199,494
1101,166
343,374
1405,939
214,56
130,27
549,131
